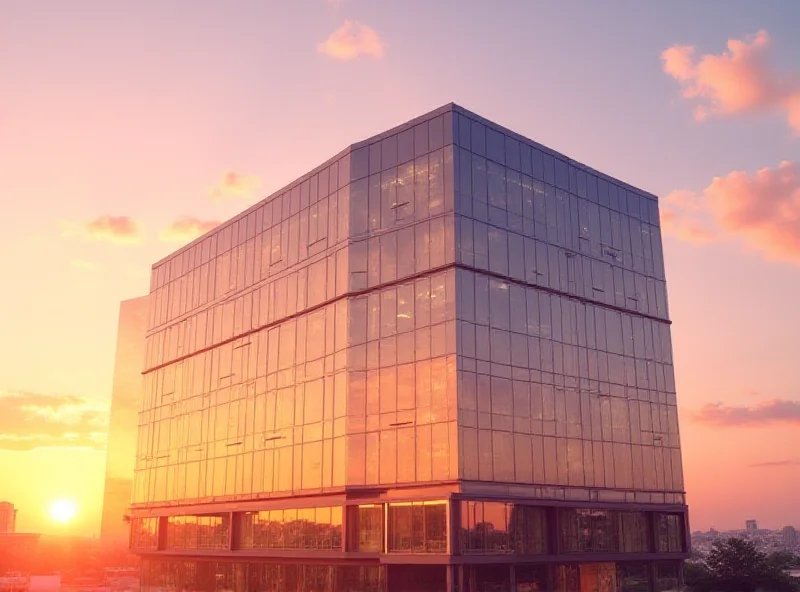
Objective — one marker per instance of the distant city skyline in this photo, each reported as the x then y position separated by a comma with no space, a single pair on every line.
156,126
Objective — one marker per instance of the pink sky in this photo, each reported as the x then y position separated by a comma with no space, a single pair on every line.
124,133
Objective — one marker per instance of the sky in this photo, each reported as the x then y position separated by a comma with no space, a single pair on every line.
128,128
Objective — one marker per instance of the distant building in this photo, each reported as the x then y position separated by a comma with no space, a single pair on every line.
14,583
123,423
8,517
751,526
16,551
790,536
439,361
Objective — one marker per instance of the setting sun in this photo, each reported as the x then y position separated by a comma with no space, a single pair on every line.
63,510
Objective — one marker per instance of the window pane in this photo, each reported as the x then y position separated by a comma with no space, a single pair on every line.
367,528
529,526
418,527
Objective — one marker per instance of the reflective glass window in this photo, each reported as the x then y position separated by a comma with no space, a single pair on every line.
418,527
144,533
667,577
528,526
366,528
307,528
670,533
633,577
209,531
484,527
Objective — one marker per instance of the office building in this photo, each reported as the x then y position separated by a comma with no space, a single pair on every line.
751,526
124,421
8,517
439,361
790,537
16,548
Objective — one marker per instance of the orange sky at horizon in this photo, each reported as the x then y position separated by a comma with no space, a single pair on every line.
125,134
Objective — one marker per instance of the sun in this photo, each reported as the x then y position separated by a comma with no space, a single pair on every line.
63,510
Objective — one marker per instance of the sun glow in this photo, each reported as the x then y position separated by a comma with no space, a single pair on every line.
63,510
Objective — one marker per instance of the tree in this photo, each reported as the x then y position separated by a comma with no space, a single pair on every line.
735,565
784,560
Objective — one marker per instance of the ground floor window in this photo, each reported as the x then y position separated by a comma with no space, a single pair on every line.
240,576
263,575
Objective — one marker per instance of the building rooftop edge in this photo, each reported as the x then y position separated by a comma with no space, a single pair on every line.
446,108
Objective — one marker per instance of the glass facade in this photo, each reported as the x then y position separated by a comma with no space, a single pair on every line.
565,361
432,338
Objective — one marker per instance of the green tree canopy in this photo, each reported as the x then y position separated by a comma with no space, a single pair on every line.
735,565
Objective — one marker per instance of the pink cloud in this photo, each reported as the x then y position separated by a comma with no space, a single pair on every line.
234,185
737,81
767,413
776,464
186,229
762,210
682,216
114,229
351,40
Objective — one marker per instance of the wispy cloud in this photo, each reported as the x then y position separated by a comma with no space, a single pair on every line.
775,464
761,209
122,230
33,420
776,411
234,186
740,80
16,442
186,229
683,216
352,40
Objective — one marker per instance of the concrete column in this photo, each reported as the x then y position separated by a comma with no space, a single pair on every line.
652,571
162,532
346,513
452,578
233,530
462,583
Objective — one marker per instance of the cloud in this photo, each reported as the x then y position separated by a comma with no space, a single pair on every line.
234,186
738,81
186,229
33,420
774,464
682,216
771,412
115,229
18,443
762,210
351,40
